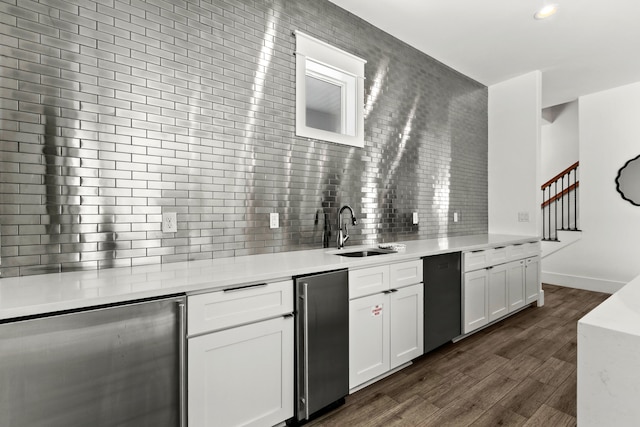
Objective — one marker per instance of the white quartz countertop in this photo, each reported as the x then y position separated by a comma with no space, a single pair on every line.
620,312
608,363
33,295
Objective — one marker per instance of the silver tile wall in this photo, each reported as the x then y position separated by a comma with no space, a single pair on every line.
115,111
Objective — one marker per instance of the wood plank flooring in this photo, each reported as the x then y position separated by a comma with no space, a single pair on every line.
519,372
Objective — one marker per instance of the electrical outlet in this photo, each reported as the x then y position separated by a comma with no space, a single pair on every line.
169,222
523,216
456,217
415,218
274,220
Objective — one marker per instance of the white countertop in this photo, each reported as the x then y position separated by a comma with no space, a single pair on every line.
608,361
620,312
32,295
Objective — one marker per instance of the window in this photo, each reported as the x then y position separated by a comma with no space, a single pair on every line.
329,92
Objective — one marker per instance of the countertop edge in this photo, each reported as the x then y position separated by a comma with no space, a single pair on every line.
50,293
620,312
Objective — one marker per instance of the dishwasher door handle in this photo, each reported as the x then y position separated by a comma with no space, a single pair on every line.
182,363
305,321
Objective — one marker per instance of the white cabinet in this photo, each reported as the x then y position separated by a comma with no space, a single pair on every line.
386,329
404,274
483,258
515,280
499,281
476,307
499,255
368,338
240,356
498,299
407,326
368,281
475,260
242,376
214,311
532,279
522,251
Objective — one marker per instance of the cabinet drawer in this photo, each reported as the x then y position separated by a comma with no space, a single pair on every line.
368,281
523,250
531,249
477,259
515,252
498,255
237,306
405,273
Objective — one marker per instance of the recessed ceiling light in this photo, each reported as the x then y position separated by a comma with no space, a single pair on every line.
546,11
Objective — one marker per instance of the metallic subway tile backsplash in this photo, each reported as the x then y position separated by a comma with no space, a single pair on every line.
115,111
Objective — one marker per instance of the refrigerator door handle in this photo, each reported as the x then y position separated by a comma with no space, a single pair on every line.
305,334
182,365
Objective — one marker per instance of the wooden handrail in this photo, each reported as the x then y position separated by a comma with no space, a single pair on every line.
560,175
560,195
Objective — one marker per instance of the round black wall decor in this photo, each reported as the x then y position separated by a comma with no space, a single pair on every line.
628,181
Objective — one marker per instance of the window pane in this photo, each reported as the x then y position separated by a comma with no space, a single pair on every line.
323,105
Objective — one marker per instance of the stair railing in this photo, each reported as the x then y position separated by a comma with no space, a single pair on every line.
565,199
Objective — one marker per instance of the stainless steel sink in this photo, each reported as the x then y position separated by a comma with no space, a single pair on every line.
366,252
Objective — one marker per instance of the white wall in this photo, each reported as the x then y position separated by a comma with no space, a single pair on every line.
514,155
560,142
607,255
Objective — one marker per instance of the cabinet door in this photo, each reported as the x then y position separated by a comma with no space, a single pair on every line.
407,324
515,277
532,279
368,338
242,376
498,305
475,300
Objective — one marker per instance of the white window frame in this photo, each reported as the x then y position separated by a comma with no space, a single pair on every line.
313,56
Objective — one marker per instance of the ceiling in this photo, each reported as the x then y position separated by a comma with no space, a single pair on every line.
588,46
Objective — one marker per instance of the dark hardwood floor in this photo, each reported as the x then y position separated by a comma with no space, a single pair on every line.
519,372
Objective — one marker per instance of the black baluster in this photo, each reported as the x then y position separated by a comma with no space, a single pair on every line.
549,210
562,206
544,232
575,199
555,218
569,202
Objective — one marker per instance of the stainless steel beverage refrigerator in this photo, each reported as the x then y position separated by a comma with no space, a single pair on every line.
322,342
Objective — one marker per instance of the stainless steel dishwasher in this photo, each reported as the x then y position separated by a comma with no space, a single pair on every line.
108,366
322,341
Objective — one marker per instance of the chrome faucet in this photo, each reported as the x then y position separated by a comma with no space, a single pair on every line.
343,236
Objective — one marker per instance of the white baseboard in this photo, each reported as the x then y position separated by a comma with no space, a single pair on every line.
378,378
586,283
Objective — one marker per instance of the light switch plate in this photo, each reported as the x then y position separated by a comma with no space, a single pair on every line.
274,220
169,222
523,216
456,217
415,218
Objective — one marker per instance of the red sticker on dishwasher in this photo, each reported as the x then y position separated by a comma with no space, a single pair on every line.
376,310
